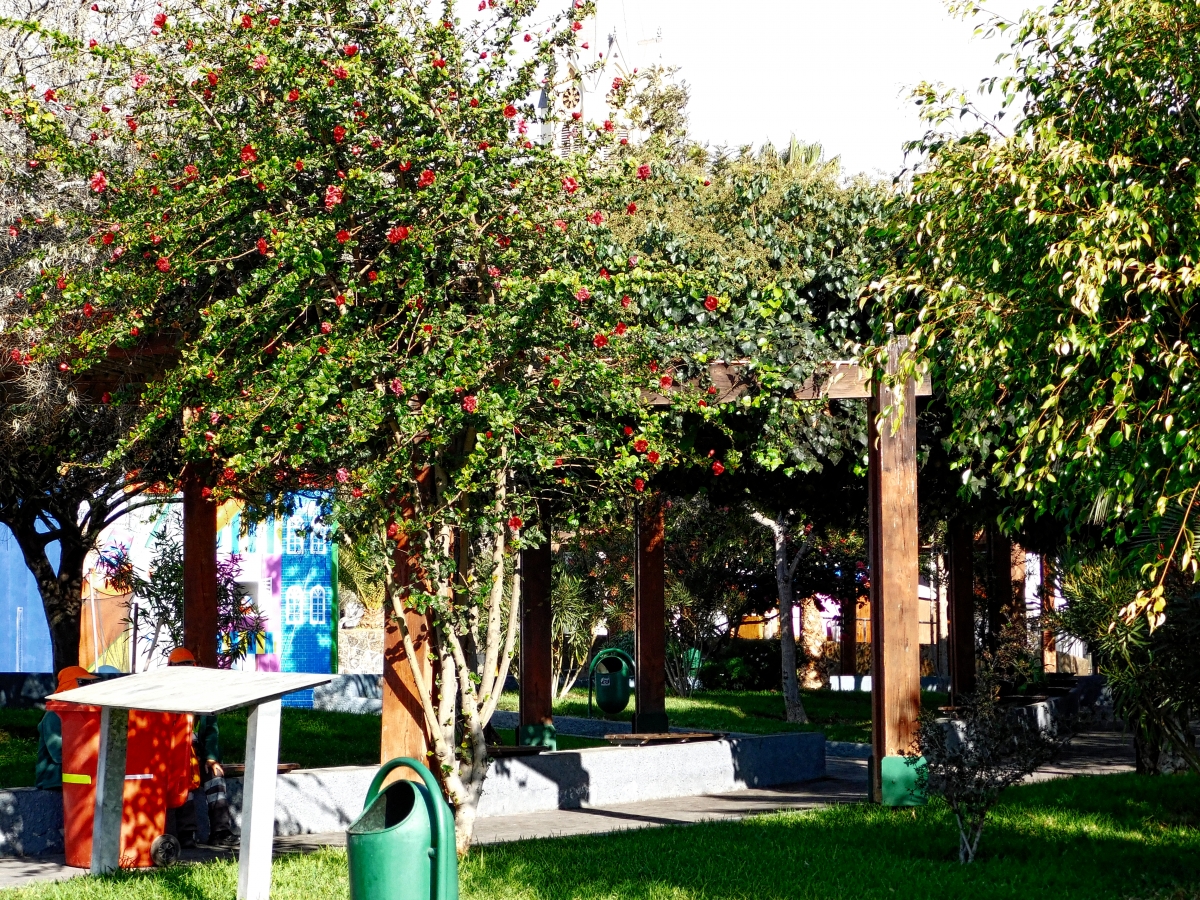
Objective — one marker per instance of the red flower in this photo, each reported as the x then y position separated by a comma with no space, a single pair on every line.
620,329
371,276
515,523
666,381
260,62
106,397
262,246
293,95
641,445
397,233
710,303
439,63
653,456
13,231
570,185
556,381
596,218
98,182
644,171
212,78
608,125
631,208
510,111
190,171
61,283
273,21
247,22
392,530
340,299
323,350
712,389
352,49
140,80
653,367
326,327
299,164
249,154
469,402
583,294
163,264
625,301
600,340
339,134
333,196
628,431
483,145
160,20
576,26
560,224
639,485
396,387
604,274
426,178
339,72
342,236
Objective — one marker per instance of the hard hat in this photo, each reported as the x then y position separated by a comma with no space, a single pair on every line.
181,656
108,670
68,678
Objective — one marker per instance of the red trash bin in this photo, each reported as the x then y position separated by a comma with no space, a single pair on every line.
152,752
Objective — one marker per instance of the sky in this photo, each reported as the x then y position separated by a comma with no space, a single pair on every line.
836,72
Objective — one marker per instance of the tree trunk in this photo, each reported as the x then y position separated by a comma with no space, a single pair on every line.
787,636
61,591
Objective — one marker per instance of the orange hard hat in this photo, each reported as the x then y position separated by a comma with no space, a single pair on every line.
181,656
68,678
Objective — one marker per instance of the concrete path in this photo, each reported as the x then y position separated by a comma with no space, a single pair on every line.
1099,753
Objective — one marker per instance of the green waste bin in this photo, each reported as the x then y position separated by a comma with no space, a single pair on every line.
402,846
613,683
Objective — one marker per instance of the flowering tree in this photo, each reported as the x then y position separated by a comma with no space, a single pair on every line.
377,284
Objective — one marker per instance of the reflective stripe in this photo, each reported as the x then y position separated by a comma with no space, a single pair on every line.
149,776
76,779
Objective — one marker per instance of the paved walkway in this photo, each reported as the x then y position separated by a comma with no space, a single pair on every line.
1098,753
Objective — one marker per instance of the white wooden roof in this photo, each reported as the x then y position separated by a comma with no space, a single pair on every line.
188,689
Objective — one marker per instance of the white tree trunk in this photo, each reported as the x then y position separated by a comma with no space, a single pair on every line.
784,573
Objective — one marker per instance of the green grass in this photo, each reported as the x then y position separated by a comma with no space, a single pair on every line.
18,745
841,716
1115,837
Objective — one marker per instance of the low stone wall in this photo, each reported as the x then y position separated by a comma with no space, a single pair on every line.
26,690
313,801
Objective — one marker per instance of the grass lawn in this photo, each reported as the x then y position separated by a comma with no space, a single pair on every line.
842,716
1115,837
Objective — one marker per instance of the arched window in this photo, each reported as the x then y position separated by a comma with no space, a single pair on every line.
318,540
293,606
293,542
317,611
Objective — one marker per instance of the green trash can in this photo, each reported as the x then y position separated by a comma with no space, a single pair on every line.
613,684
402,846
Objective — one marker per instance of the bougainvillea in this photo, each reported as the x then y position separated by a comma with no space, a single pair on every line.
376,283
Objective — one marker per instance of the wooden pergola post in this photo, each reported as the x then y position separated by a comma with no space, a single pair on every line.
199,568
962,608
536,722
404,732
895,610
650,620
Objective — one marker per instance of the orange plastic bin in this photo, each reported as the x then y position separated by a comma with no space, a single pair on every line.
157,742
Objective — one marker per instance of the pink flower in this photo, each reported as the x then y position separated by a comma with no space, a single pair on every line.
510,111
596,218
600,341
710,303
342,476
570,185
643,172
342,236
666,381
625,301
13,231
260,62
560,224
163,264
426,178
396,387
326,327
583,294
470,402
576,26
333,196
249,154
98,183
140,80
515,523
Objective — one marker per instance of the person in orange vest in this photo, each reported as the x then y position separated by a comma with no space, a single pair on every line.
204,767
47,773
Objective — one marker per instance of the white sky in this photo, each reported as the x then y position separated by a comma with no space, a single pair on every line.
833,71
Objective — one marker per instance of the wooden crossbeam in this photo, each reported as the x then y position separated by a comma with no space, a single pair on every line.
836,380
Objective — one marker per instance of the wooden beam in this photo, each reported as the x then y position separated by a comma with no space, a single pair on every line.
650,620
199,568
962,607
836,379
895,609
258,801
537,669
